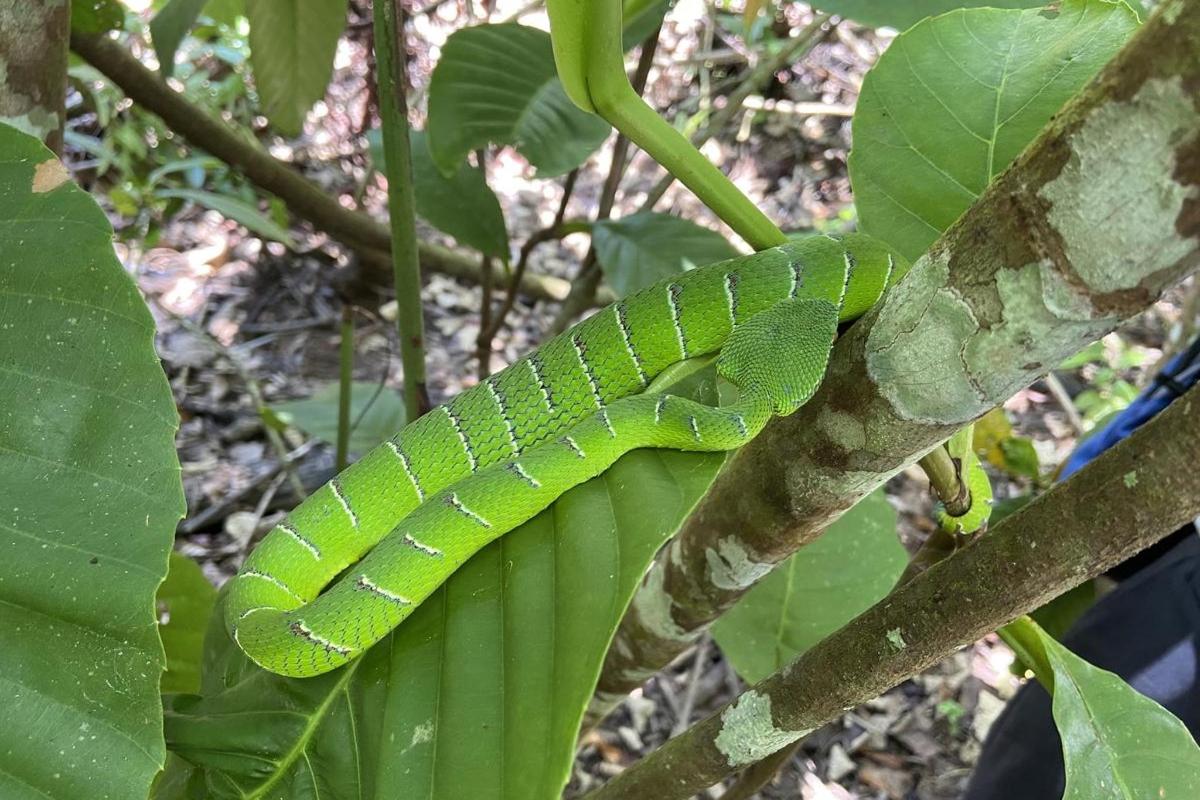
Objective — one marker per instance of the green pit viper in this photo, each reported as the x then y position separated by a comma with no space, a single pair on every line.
409,513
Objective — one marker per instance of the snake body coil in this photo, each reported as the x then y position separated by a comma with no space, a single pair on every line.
415,508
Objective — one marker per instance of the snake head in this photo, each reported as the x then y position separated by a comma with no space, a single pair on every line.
779,355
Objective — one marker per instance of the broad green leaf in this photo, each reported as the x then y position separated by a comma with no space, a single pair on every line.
463,205
497,84
91,494
1117,744
480,693
815,592
185,602
901,14
956,98
292,44
637,250
236,210
97,16
376,412
168,28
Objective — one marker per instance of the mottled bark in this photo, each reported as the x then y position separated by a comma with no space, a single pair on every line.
1129,498
1085,230
33,67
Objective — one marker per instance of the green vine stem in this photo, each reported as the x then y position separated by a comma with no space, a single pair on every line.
591,64
406,265
1022,636
946,480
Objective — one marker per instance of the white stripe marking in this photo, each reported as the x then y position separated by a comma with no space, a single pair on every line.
291,531
695,427
608,423
571,443
626,334
539,380
303,631
462,437
658,409
250,611
371,586
271,579
508,425
515,467
424,548
453,501
408,470
740,421
731,281
797,278
336,486
673,292
587,371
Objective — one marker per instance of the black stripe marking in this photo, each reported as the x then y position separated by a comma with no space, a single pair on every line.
453,501
455,421
536,366
367,585
408,470
626,336
731,295
516,469
573,446
335,486
308,545
502,407
581,350
428,550
674,293
301,630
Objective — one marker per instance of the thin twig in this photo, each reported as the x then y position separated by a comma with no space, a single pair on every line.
684,718
252,389
1060,395
483,342
812,33
756,776
406,265
200,520
345,385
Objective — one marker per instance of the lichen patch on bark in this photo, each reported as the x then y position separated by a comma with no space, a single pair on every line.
1117,199
731,567
748,733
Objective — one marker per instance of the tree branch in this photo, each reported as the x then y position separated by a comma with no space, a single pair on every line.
303,198
1035,270
1130,497
33,83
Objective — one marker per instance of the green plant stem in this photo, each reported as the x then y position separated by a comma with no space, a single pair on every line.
345,387
587,282
616,100
1022,636
1075,531
945,480
393,111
